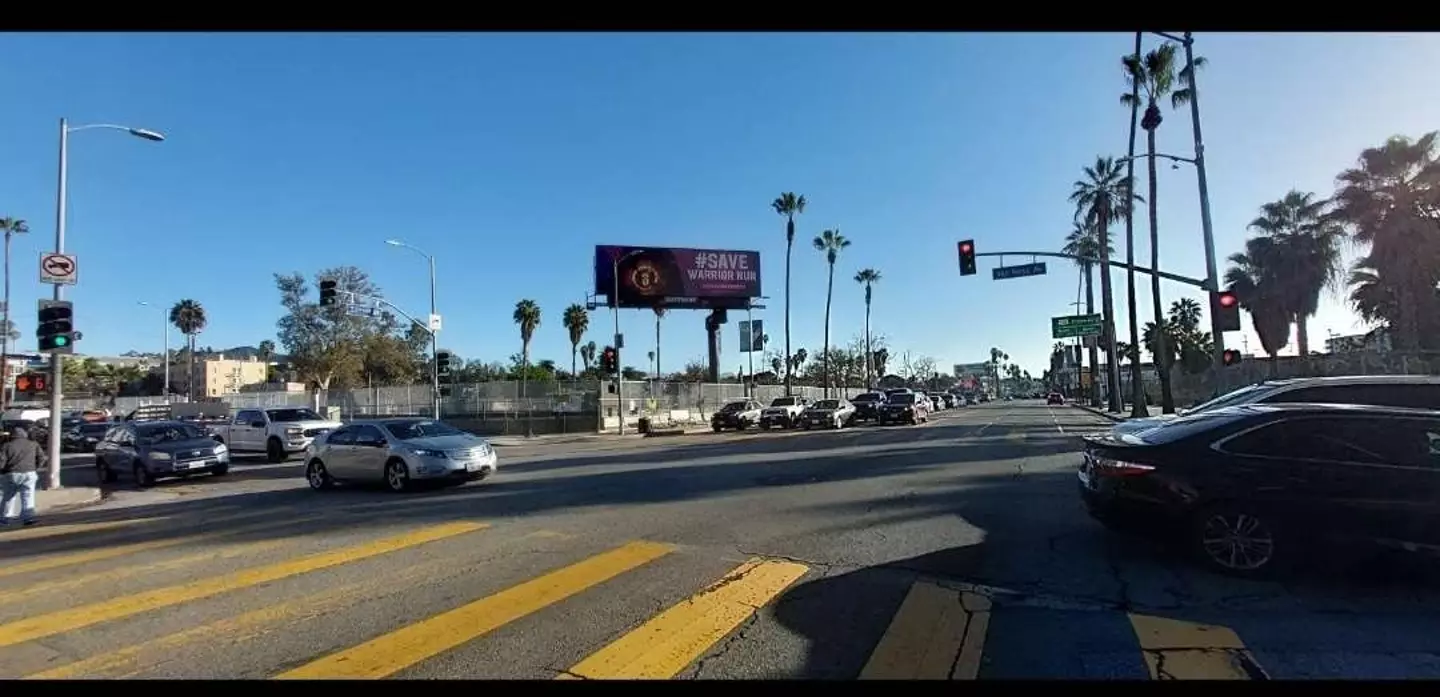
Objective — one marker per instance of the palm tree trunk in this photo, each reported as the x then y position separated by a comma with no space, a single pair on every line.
869,355
5,340
1107,298
190,369
1302,334
1094,341
1137,379
574,349
829,293
525,371
789,247
1162,349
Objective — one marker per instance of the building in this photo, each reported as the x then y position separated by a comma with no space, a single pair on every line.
218,376
1376,340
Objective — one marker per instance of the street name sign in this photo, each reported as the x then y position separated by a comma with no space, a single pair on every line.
1001,273
1072,326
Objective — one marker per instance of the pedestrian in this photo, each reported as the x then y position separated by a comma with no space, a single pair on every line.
21,460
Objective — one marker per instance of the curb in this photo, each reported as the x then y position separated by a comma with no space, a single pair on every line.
90,500
1113,417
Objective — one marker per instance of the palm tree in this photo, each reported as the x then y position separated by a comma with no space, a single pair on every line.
11,227
267,351
189,317
659,314
868,278
576,321
1308,253
1158,78
1388,202
1083,242
587,354
998,357
1104,195
829,243
1252,277
788,205
1372,299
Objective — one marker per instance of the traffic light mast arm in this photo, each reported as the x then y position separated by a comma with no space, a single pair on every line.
382,301
1198,283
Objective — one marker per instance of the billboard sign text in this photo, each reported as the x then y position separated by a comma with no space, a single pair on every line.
677,277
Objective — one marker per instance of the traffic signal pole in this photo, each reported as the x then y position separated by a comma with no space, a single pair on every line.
56,371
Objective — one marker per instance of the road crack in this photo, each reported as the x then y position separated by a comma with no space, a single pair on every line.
729,643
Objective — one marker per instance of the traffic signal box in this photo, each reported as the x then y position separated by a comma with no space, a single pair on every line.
1227,310
31,383
967,257
608,362
55,326
442,364
1231,357
328,294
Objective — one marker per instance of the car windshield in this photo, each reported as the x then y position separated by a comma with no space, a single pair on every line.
903,399
292,415
167,433
784,402
867,397
1243,395
828,404
412,430
733,407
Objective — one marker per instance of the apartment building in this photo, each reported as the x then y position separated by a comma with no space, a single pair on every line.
218,376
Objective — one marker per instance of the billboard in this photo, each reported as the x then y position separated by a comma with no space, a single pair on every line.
678,277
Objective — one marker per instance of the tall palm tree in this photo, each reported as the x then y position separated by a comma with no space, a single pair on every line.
527,316
1308,243
1388,202
1083,242
189,317
788,205
11,227
659,315
1104,195
1252,277
829,243
1373,300
587,354
1159,78
267,352
576,321
868,278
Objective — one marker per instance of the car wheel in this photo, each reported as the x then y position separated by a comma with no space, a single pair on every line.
397,476
1238,542
220,470
317,476
764,425
274,451
716,428
104,473
143,478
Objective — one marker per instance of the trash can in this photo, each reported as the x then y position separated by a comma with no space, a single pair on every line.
644,425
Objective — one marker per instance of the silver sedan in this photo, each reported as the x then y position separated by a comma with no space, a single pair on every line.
398,452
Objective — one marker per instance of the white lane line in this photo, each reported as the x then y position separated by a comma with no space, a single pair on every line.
992,423
1054,419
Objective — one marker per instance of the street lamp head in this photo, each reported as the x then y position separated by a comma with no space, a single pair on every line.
147,134
395,243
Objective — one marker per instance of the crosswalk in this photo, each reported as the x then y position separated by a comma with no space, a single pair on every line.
367,592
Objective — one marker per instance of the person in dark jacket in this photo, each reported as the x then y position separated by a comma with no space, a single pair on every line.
21,460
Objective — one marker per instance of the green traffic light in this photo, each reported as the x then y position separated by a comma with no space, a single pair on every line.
61,341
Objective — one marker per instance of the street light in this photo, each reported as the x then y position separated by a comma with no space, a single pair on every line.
61,195
434,342
619,365
164,355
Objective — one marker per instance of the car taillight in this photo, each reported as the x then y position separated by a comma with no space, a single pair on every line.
1120,468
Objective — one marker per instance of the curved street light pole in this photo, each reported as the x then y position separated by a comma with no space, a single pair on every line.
434,341
61,195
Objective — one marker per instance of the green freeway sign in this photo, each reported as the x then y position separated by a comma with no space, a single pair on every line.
1075,325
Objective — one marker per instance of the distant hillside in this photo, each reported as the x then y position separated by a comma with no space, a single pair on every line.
236,352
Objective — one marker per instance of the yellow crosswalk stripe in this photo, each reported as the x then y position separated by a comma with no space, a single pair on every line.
1179,650
70,583
405,647
74,618
122,550
936,634
43,532
664,646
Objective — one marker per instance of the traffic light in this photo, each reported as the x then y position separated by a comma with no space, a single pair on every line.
1231,357
967,258
442,364
327,292
608,361
56,326
1227,311
30,383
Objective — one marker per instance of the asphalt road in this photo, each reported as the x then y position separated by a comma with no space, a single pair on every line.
954,549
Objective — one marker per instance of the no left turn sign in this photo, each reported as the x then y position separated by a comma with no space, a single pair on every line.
59,269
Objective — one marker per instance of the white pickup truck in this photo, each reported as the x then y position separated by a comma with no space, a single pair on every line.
278,432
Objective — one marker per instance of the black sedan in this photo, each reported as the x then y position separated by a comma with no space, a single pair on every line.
1249,488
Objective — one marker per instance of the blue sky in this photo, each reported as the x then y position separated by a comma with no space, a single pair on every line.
511,156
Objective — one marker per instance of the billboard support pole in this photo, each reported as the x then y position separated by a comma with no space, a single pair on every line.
750,347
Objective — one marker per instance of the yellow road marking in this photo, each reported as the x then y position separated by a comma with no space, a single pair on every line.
103,553
672,640
937,634
61,621
1180,650
135,659
72,582
73,528
407,646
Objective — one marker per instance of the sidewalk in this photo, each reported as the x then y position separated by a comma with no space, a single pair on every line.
1154,411
562,438
48,501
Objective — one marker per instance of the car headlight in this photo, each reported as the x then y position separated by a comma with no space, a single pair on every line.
160,457
423,452
294,432
220,449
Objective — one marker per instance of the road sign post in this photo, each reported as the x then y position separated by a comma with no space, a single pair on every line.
1072,326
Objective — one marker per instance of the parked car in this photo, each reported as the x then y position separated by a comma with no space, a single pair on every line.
828,413
737,415
905,408
867,405
783,412
84,437
398,452
1252,488
153,450
1414,391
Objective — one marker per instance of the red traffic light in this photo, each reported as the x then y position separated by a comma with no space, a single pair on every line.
965,247
1231,357
1228,299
